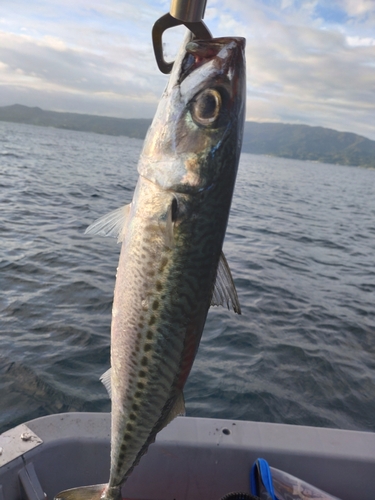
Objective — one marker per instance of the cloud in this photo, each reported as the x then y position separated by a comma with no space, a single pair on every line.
307,61
305,72
48,65
358,8
358,41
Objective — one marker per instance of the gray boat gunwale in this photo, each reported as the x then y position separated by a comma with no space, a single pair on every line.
192,458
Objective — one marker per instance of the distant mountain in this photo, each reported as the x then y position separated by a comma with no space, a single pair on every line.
300,142
135,127
303,142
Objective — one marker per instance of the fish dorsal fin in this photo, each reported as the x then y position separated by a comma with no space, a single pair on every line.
106,381
224,290
178,409
112,224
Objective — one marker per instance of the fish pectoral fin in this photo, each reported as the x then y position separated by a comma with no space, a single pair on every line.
224,290
178,409
169,224
86,493
105,379
113,224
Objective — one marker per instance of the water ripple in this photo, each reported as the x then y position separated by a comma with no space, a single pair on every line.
300,243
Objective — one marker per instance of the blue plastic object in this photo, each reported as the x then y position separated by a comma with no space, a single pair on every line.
261,480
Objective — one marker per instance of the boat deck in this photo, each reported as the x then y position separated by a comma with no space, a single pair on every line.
192,459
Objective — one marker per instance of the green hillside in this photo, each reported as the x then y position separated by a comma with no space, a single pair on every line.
300,142
303,142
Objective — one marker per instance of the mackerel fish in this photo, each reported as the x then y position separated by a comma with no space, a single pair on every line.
171,266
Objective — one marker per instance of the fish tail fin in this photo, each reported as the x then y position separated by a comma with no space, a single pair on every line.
96,492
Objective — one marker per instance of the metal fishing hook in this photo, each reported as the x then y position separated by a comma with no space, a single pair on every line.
187,12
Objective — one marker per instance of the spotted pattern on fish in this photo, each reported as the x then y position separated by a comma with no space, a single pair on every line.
196,248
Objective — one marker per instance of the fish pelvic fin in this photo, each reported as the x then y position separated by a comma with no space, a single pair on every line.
225,292
96,492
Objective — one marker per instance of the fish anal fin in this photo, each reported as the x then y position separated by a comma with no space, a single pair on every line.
113,224
225,293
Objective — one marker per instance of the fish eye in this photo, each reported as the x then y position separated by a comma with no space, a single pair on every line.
206,106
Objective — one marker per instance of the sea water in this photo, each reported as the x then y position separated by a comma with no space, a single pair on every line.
301,247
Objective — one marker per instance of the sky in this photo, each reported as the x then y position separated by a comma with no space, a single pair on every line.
308,61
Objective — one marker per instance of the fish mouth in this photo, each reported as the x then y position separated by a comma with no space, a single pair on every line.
199,52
